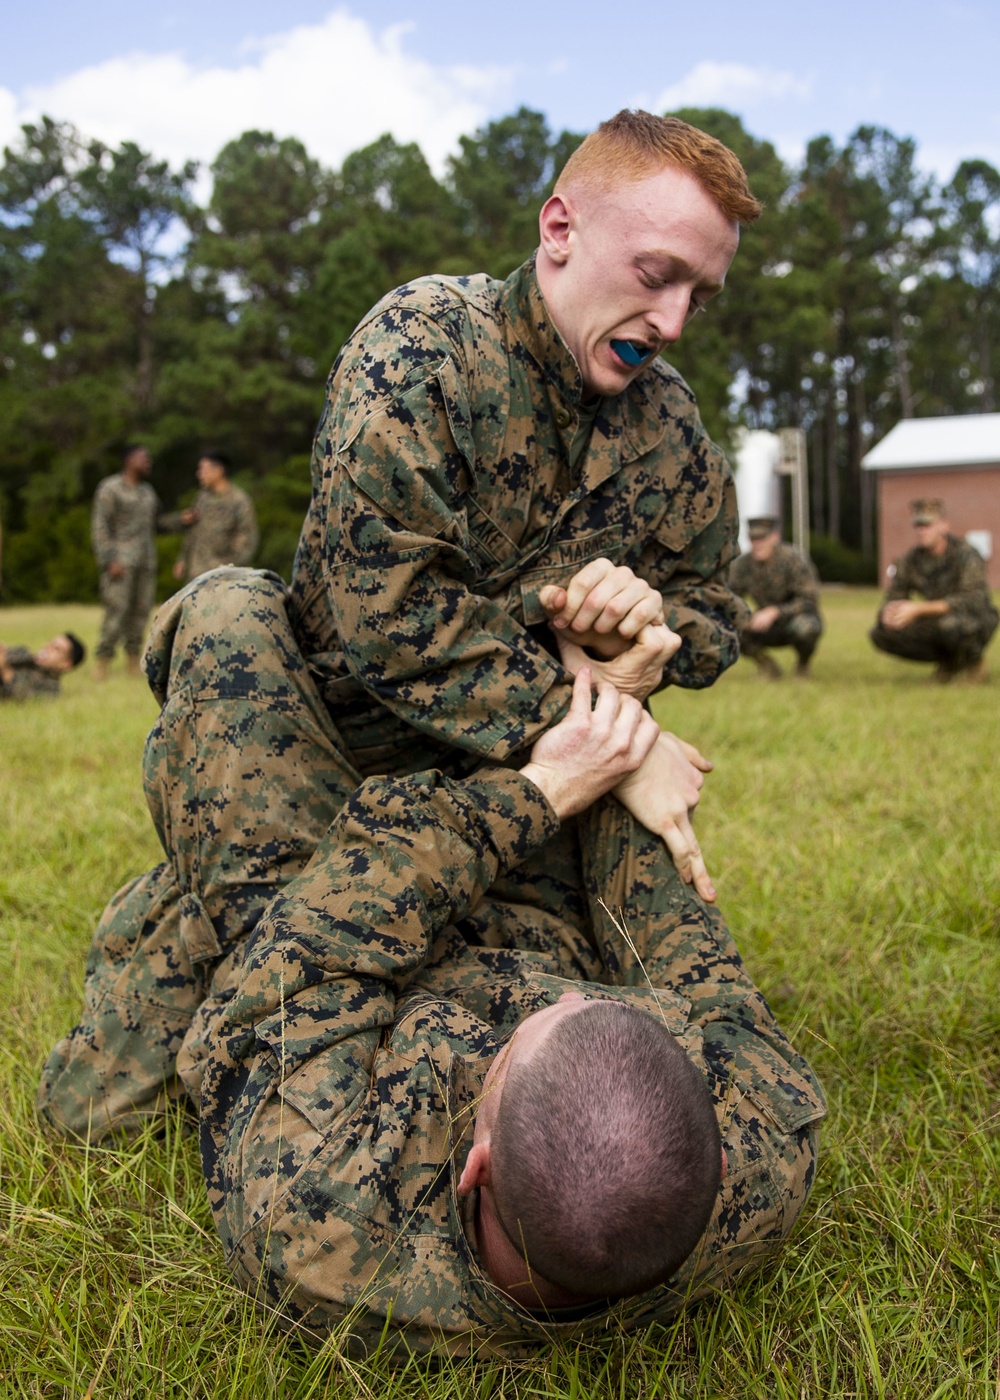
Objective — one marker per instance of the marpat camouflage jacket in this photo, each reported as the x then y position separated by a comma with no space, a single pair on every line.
225,532
958,576
444,498
124,522
786,581
29,679
338,1098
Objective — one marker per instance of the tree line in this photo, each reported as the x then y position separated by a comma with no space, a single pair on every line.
868,291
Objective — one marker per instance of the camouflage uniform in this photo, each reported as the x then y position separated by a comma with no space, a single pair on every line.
224,533
453,476
789,582
29,678
958,638
238,811
125,519
435,591
456,471
337,1062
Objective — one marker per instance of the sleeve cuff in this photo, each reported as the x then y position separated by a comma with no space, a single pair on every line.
514,816
552,707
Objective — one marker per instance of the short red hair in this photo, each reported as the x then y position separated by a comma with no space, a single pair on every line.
632,145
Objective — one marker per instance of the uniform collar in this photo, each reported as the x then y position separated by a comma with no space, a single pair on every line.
635,417
951,543
533,326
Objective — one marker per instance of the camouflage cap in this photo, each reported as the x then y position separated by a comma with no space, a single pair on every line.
760,526
926,510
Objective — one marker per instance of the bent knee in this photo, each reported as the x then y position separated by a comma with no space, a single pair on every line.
806,627
77,1098
219,617
956,629
799,1174
233,582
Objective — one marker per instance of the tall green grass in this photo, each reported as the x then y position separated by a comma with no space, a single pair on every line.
851,828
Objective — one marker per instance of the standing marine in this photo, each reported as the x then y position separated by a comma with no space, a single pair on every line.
221,526
125,518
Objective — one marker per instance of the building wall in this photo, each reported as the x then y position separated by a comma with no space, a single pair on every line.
971,498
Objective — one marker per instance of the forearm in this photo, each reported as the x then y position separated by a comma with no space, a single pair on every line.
404,859
800,604
698,601
450,663
244,549
103,541
801,588
904,612
708,618
247,533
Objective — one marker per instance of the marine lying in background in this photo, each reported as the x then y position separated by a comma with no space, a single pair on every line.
25,673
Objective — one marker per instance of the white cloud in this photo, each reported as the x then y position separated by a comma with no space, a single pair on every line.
791,147
8,116
336,85
943,159
731,85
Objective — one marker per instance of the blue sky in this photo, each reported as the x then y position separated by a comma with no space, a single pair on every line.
184,77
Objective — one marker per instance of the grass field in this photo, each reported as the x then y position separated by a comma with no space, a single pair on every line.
851,828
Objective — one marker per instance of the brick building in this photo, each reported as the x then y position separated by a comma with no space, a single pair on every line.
957,459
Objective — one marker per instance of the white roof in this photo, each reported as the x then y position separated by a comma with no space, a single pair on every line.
964,439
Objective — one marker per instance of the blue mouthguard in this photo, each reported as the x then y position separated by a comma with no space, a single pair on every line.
630,353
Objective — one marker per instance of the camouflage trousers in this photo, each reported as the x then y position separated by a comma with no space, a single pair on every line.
128,601
801,632
243,773
244,770
953,641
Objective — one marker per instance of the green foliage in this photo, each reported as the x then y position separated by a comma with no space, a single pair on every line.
281,500
864,293
837,562
850,827
501,176
51,559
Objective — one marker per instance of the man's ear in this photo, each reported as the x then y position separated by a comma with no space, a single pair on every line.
476,1171
725,1165
554,223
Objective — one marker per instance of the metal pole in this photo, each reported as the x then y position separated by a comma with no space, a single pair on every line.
794,464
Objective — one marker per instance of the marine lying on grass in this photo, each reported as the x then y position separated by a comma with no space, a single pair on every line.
25,673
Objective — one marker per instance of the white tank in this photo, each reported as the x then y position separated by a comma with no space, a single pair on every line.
758,485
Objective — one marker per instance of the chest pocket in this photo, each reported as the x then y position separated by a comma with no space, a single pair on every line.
561,561
331,1084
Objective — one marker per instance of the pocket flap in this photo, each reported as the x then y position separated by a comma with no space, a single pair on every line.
562,561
